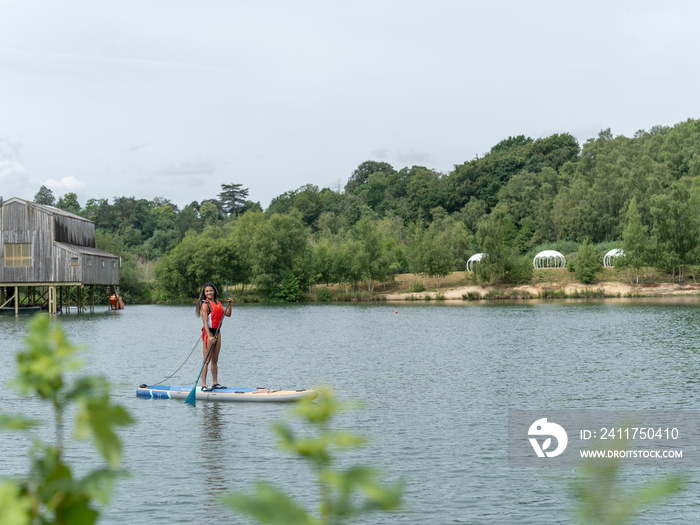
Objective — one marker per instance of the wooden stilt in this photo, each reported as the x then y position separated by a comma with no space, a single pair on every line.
52,300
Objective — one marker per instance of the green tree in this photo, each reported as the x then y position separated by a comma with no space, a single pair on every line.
129,214
491,237
518,269
289,289
362,173
472,212
99,211
440,260
636,243
374,259
483,177
243,234
417,251
279,245
307,200
209,213
45,196
187,220
132,286
233,198
194,261
176,272
553,152
677,226
438,256
323,261
164,236
330,224
69,202
375,192
425,191
587,265
347,269
251,206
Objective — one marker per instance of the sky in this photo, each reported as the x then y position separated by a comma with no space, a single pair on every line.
173,98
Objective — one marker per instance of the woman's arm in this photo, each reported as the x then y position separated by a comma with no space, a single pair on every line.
228,308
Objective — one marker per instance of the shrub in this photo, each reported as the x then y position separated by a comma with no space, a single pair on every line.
324,295
519,270
417,287
289,289
587,264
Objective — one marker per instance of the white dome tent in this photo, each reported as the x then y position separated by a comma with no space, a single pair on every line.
549,259
475,259
609,259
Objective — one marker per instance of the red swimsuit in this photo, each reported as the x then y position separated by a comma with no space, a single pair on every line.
216,313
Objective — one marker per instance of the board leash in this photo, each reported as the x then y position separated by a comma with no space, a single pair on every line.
178,368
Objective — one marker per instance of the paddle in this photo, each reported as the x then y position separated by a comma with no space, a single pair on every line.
192,397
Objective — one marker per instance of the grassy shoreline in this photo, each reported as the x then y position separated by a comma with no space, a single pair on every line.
550,283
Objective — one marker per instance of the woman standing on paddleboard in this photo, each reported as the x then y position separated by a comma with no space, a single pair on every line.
212,312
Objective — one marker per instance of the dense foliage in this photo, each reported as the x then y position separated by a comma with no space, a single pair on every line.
640,193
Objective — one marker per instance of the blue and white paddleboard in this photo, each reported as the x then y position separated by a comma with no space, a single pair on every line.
236,395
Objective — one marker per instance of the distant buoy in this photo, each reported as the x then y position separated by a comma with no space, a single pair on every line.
396,312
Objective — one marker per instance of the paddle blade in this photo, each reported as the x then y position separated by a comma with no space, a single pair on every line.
192,397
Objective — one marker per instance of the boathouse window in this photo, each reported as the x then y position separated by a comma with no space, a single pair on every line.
114,265
102,264
89,262
75,261
18,254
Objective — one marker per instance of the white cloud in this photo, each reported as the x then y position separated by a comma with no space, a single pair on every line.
11,170
15,180
69,184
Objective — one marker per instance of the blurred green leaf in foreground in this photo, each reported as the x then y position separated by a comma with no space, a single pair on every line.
343,492
603,500
50,493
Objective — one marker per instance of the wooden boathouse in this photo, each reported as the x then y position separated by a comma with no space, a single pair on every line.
49,260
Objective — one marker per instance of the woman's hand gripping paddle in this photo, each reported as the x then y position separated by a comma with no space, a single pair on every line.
192,397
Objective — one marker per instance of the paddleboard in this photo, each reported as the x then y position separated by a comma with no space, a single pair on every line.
236,395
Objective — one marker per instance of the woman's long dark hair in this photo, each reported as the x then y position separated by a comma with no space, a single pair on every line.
203,297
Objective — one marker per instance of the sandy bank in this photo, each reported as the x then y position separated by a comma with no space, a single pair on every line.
609,289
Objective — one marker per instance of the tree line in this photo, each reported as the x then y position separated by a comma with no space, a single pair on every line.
641,194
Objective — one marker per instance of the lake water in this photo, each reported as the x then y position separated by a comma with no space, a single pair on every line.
436,383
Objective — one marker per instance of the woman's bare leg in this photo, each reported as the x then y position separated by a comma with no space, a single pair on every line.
206,365
215,362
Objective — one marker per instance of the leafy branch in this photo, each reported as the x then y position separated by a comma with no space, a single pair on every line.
344,493
51,493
